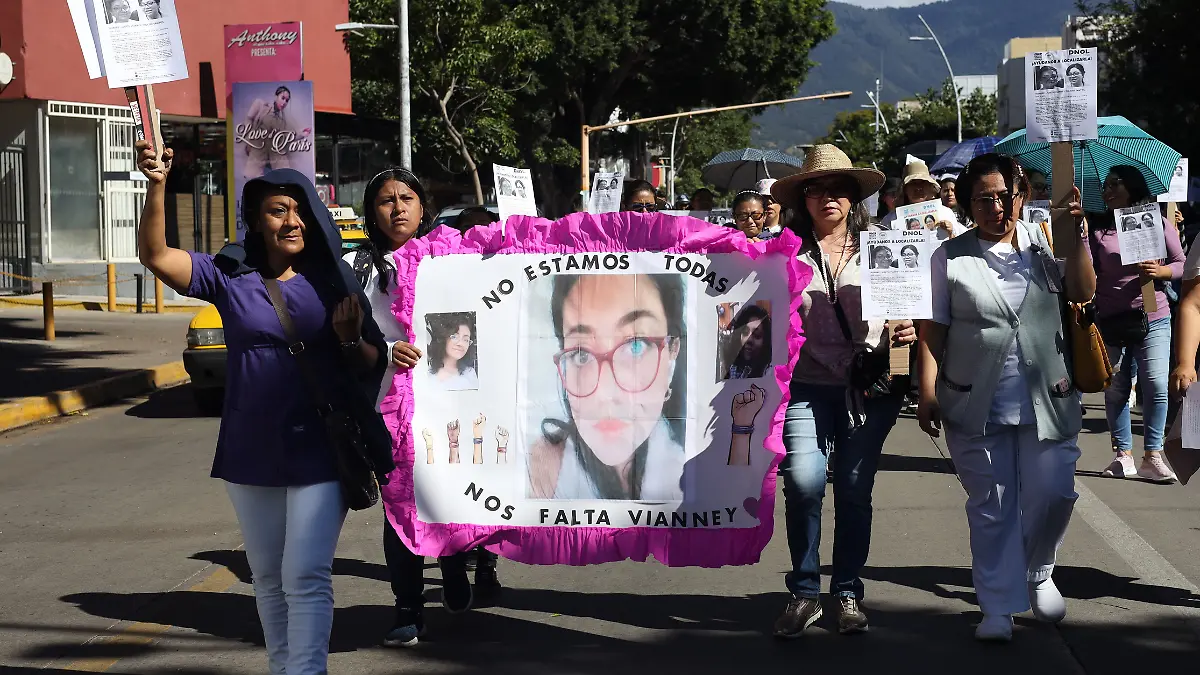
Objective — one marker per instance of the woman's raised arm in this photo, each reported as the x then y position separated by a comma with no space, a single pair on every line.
171,265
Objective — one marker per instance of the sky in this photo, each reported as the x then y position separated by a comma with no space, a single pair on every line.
888,3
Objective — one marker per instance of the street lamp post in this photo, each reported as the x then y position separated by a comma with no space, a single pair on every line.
405,91
880,118
936,41
586,131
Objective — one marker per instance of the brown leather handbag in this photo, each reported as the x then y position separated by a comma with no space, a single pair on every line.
1091,368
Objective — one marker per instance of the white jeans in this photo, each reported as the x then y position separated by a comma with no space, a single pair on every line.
1020,495
291,534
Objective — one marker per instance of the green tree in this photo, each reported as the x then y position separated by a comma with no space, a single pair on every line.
469,58
1148,62
652,57
700,138
932,117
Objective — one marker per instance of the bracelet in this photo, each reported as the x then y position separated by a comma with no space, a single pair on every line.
738,429
479,440
454,444
353,344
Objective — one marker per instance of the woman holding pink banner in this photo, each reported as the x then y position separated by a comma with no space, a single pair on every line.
395,210
841,395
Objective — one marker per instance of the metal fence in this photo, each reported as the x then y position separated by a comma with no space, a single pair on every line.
15,263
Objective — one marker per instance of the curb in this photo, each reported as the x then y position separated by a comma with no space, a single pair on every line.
98,305
32,409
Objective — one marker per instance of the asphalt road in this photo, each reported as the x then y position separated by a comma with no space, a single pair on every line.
119,554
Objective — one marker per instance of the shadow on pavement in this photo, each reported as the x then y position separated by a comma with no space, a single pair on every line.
917,464
589,634
172,403
36,369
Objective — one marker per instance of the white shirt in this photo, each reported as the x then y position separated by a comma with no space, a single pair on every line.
381,311
660,480
1011,271
943,213
467,379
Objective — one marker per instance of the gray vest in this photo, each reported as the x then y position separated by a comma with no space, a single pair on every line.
981,333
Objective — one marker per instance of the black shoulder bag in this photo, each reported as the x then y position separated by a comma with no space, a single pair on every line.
870,370
356,472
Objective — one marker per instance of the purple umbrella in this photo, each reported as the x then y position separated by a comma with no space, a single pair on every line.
956,158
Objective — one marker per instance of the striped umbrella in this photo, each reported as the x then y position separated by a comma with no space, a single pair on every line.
955,159
741,169
1120,142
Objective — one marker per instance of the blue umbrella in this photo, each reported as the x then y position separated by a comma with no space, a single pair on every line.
741,169
1120,142
956,158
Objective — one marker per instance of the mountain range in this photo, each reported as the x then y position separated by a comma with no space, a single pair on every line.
869,42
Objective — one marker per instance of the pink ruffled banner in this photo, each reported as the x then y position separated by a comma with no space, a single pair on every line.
624,232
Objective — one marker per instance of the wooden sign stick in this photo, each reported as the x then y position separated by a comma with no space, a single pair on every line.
1062,163
145,116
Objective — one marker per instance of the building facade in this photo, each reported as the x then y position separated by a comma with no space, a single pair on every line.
70,193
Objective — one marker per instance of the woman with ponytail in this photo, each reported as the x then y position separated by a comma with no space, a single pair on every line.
396,209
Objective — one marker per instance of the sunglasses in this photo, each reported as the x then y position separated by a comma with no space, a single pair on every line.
643,208
835,190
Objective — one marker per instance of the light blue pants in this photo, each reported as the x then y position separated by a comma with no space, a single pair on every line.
1020,496
291,534
1151,360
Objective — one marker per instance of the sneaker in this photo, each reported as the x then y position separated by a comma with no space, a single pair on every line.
472,561
800,614
995,628
457,596
1120,467
1155,469
851,618
408,629
487,582
1047,603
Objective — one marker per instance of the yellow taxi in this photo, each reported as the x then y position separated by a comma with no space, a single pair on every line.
204,358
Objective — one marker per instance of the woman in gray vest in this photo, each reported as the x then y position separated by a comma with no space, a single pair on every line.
826,412
993,370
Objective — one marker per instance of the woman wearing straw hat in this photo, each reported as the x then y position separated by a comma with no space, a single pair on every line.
921,186
828,409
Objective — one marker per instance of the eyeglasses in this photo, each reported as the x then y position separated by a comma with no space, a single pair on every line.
634,363
744,217
464,340
988,201
643,208
835,190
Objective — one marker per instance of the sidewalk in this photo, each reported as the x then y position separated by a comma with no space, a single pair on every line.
99,303
90,347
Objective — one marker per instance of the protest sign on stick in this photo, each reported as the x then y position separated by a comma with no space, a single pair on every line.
896,283
1177,191
514,192
1060,96
606,192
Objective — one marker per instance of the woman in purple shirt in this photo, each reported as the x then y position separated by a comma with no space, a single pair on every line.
1120,319
272,451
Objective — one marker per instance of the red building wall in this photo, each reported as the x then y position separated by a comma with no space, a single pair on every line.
48,63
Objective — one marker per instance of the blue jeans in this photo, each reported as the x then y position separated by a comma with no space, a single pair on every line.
291,534
818,422
1151,361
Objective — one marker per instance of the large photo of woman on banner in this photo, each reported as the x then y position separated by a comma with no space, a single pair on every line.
618,356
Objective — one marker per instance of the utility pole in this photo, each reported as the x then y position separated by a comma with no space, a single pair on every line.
405,92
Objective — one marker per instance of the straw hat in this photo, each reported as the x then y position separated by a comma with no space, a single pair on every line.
918,170
825,160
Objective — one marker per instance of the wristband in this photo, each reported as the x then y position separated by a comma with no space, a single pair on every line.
479,440
454,444
352,344
738,429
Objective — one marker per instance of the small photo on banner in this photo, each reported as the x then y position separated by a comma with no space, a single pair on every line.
586,396
514,192
1140,234
273,129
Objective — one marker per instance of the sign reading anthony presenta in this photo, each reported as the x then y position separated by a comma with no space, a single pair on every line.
595,389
